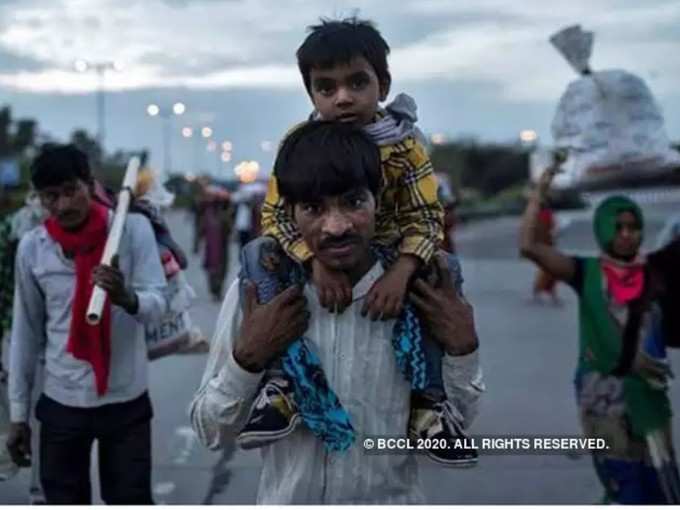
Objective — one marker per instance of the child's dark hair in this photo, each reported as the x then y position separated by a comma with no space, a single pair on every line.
56,164
326,158
335,42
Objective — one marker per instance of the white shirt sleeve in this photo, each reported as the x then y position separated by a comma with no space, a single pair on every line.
147,279
221,404
28,334
464,384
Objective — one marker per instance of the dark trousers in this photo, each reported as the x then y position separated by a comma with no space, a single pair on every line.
244,237
123,432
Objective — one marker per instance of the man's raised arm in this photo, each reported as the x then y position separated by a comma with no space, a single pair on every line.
547,257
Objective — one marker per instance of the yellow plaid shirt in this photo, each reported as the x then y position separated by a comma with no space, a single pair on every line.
409,216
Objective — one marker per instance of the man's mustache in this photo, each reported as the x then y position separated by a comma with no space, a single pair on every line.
333,242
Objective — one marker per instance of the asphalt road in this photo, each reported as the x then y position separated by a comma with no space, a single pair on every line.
528,355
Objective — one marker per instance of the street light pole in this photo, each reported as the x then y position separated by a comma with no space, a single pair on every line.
100,68
198,154
101,111
212,147
167,156
154,110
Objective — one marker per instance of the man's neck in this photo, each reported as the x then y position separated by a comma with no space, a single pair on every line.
357,273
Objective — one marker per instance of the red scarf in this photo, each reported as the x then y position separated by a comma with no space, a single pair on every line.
86,342
625,280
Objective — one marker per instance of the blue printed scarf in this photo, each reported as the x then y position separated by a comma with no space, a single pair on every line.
319,406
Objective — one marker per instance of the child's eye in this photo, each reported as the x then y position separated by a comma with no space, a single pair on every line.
325,89
359,83
310,208
357,201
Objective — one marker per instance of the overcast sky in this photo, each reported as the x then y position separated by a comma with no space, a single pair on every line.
475,67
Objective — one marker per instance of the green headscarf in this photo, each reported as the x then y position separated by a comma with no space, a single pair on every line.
604,222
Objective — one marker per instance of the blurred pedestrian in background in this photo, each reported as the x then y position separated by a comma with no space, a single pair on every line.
244,219
248,200
449,202
12,228
216,225
197,209
544,282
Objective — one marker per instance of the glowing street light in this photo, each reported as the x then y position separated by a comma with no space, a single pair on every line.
226,157
438,138
226,146
190,132
206,132
166,113
528,136
80,65
247,171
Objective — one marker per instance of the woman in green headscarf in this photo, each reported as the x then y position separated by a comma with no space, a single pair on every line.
621,378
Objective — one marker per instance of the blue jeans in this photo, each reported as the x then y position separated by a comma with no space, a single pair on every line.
433,351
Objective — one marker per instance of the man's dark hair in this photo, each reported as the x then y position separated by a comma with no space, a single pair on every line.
56,164
334,42
326,158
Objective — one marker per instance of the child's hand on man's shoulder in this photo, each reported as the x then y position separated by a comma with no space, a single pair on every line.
385,300
333,288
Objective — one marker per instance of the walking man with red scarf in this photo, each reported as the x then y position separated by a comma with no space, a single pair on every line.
622,373
95,376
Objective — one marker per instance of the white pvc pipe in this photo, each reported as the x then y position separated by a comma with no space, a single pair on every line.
96,306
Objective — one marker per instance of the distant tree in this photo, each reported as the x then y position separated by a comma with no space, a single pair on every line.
112,169
14,142
5,125
89,145
109,169
24,136
21,138
486,168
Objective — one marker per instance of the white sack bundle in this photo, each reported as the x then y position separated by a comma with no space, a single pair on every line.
607,120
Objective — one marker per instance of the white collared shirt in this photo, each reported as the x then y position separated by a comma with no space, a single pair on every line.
359,362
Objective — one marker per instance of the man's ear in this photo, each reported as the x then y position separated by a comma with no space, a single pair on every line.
90,186
385,87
